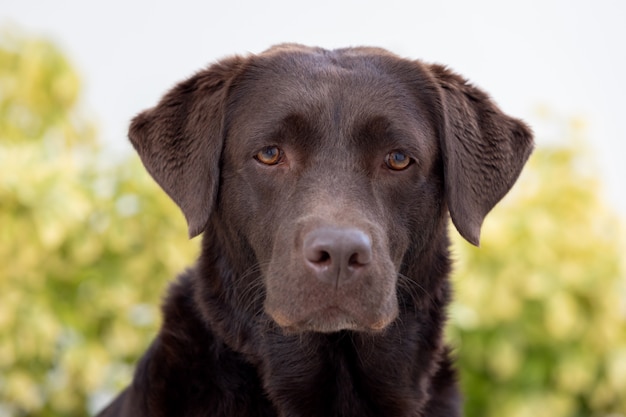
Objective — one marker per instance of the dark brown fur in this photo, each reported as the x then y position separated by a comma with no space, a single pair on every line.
272,320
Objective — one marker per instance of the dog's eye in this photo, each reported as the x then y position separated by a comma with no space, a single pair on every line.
270,155
397,161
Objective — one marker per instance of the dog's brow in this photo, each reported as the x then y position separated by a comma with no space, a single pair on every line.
295,129
382,132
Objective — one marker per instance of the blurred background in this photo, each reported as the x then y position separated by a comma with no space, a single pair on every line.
88,242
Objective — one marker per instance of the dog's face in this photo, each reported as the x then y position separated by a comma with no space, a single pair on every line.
332,167
330,177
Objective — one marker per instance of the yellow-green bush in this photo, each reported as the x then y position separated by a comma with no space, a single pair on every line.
540,312
87,245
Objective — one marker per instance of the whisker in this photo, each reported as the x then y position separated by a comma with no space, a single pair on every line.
414,290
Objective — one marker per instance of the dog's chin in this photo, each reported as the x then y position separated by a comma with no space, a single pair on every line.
328,320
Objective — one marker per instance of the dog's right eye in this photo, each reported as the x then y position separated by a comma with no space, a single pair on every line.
397,161
270,155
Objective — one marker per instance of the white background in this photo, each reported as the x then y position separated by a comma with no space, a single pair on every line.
567,56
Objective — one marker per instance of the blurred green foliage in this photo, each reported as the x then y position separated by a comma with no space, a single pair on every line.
539,317
87,245
39,90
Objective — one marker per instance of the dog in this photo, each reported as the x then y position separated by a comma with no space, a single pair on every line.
323,183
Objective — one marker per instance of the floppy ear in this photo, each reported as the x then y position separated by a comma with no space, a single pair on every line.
180,140
483,149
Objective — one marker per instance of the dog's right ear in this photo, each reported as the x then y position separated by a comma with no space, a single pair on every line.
180,140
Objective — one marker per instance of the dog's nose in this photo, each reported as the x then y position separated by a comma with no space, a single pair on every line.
337,255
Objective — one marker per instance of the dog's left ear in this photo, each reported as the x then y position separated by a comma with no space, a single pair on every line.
483,150
180,140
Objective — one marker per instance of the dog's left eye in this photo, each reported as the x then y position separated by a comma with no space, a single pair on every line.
270,155
397,161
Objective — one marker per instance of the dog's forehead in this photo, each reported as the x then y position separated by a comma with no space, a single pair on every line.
321,77
345,88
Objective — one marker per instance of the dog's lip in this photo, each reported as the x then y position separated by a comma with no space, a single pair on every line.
327,319
327,313
330,310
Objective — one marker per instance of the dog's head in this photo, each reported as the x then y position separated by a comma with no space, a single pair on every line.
331,168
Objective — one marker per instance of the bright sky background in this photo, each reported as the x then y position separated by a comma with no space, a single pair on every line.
566,56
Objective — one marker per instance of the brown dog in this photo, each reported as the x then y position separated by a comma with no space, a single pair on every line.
322,181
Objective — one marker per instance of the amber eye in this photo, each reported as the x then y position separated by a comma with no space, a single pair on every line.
397,161
270,155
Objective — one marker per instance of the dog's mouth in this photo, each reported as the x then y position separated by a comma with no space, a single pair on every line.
329,319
